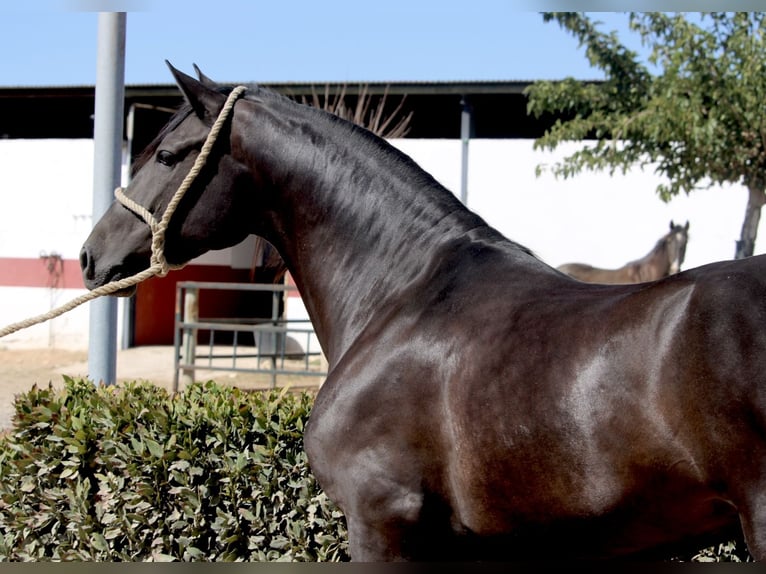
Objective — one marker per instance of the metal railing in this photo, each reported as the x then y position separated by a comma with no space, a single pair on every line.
288,346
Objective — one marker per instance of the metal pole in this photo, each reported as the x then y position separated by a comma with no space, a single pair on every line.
465,137
128,306
107,163
189,337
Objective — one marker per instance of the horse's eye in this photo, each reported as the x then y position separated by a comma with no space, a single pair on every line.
166,158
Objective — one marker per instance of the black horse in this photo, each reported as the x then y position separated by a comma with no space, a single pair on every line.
467,413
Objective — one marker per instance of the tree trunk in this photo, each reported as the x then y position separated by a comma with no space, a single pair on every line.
746,244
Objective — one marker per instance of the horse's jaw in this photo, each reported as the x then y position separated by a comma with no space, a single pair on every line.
127,292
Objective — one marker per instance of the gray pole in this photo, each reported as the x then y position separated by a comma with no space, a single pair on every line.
465,137
107,164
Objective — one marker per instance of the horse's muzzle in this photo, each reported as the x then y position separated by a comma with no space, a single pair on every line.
94,279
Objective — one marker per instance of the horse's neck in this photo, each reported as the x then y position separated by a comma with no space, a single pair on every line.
355,220
661,257
655,264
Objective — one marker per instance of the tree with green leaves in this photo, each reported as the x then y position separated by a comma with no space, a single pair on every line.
698,116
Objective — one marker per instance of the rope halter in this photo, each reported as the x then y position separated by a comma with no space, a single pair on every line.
158,228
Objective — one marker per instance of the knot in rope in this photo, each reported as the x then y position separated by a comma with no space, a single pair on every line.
158,264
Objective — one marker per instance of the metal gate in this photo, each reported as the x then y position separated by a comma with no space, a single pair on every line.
270,345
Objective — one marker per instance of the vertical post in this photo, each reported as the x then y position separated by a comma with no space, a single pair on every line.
189,339
465,137
129,304
276,337
107,163
177,335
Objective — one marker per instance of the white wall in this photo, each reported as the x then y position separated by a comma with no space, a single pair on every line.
591,218
46,190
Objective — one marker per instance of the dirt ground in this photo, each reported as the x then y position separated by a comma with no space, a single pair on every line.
20,369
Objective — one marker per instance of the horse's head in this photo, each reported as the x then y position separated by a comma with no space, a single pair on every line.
212,214
675,244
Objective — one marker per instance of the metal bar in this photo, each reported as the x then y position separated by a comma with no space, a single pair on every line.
234,351
466,129
256,356
274,372
177,336
211,344
236,286
190,316
267,328
263,371
270,335
107,163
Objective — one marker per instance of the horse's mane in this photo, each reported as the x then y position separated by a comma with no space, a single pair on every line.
256,92
397,160
373,145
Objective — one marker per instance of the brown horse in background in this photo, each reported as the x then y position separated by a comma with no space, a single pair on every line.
664,259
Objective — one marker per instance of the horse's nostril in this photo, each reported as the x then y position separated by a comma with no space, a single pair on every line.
85,263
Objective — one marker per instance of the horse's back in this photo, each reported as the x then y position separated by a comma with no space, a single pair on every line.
675,370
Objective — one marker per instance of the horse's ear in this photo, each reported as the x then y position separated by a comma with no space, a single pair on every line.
672,224
204,79
687,225
204,100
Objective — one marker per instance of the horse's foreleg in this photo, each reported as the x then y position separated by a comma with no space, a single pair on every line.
374,542
754,530
383,518
753,522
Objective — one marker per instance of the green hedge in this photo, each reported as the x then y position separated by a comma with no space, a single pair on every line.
131,473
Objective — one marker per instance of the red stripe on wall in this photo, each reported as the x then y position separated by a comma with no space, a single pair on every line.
51,272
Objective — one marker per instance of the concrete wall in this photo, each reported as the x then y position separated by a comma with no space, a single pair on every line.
46,189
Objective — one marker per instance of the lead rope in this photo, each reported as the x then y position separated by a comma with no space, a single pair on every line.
159,266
